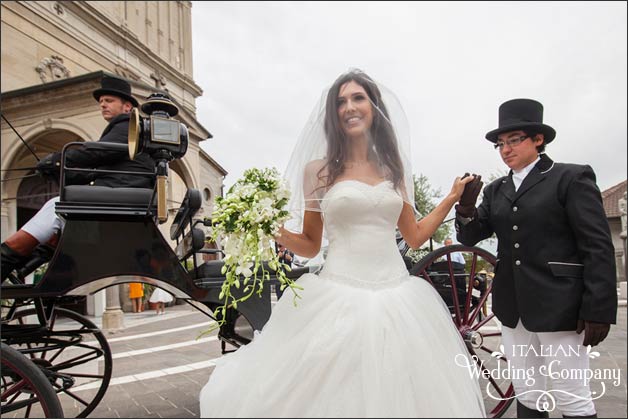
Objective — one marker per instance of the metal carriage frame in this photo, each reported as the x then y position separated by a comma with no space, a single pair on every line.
112,237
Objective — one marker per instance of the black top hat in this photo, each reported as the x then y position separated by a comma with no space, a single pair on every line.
115,87
520,114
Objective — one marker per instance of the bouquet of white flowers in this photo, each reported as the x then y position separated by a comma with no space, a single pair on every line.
247,220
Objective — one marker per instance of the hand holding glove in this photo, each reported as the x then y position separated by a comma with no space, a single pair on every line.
594,333
466,206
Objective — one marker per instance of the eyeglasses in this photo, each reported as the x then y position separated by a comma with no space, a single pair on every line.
511,142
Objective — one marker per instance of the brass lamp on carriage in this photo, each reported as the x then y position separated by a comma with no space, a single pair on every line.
164,138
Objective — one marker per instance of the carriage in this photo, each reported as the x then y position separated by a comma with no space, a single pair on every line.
48,351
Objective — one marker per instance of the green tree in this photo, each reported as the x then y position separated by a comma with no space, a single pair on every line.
424,196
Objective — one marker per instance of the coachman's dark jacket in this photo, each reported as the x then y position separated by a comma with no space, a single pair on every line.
115,132
555,257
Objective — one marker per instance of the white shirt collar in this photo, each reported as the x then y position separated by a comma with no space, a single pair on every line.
518,176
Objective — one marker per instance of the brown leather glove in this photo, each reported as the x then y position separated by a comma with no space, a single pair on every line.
466,206
594,333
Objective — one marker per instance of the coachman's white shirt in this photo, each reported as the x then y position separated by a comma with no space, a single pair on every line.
517,177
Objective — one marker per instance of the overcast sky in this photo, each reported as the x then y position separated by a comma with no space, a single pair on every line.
263,66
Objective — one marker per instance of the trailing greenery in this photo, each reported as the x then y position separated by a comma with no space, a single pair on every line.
246,220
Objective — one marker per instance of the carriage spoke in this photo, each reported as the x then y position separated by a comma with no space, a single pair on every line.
11,395
15,388
467,303
28,408
30,347
28,344
52,358
83,358
60,389
426,276
64,352
469,311
53,320
487,374
481,303
74,396
496,387
487,350
454,290
79,375
15,396
483,322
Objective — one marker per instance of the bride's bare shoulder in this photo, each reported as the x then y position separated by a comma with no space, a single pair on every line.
313,167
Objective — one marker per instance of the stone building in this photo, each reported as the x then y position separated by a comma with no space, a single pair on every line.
610,199
54,54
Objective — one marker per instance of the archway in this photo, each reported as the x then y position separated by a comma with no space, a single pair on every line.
33,192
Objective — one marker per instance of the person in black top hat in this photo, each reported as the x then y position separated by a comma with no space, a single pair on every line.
555,272
116,102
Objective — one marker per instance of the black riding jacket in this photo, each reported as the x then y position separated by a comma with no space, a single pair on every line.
115,132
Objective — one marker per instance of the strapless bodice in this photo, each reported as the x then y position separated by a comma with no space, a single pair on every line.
360,221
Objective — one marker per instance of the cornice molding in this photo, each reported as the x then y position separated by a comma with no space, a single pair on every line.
119,35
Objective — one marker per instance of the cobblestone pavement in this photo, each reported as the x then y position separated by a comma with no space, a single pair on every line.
160,366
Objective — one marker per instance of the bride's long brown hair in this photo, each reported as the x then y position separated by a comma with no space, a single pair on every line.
383,136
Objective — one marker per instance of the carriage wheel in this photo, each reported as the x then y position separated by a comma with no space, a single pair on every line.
25,391
76,355
467,293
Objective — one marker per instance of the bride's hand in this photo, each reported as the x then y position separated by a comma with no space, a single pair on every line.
278,236
458,187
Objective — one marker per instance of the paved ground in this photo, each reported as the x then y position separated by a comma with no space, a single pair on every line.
159,367
612,404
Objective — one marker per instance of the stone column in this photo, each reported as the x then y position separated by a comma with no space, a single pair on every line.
623,235
113,317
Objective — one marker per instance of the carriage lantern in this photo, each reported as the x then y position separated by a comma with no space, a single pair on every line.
160,136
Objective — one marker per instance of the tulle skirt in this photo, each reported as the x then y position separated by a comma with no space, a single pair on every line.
348,351
160,296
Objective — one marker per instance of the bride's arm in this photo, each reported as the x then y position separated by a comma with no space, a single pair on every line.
415,233
307,243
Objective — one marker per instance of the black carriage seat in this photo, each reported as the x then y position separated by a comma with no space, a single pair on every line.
87,201
107,195
91,201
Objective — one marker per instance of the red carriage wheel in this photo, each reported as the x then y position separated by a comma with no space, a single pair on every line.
466,289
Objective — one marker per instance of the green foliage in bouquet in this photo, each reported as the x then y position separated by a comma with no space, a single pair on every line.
246,220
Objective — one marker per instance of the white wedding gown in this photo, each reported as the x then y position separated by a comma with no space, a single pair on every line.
366,339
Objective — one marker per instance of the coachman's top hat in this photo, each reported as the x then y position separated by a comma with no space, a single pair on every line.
521,114
115,87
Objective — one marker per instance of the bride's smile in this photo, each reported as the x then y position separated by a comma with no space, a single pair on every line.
344,350
354,110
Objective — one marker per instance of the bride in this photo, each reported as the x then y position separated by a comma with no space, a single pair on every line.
366,339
